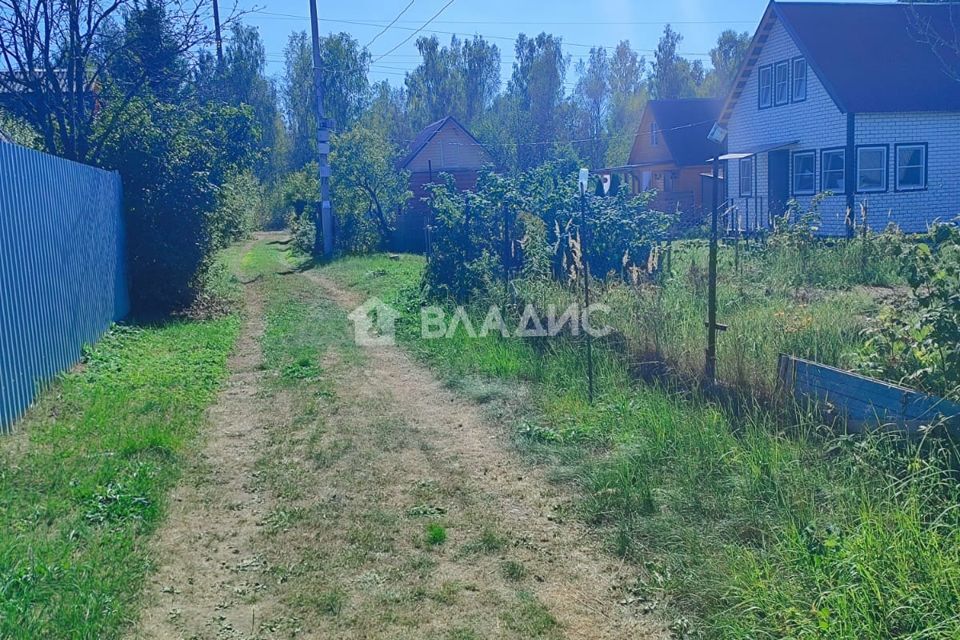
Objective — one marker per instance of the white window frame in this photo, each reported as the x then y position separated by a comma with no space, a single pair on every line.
884,168
793,173
654,134
923,167
785,65
768,71
748,174
798,64
824,170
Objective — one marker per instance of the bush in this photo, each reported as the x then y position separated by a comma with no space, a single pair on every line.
917,340
173,161
540,214
241,204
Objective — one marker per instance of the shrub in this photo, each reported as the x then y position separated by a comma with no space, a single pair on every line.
917,340
173,160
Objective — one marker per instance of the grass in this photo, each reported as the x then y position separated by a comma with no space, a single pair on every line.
748,527
84,481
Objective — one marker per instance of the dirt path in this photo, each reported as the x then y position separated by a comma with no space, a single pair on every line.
490,486
349,494
210,579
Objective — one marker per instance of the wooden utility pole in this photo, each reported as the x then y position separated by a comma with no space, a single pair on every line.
217,34
323,243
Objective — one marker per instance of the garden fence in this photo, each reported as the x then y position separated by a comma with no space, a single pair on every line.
62,274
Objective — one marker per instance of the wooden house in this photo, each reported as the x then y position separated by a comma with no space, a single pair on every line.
444,146
671,155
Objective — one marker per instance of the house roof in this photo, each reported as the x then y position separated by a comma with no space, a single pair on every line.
424,137
684,125
871,58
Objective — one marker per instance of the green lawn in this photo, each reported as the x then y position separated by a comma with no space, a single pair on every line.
748,527
83,482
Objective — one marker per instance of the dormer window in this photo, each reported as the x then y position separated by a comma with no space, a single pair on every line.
654,135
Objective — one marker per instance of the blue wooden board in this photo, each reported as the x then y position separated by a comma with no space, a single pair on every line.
864,402
62,268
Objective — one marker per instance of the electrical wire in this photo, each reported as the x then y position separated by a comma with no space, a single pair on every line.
425,25
387,28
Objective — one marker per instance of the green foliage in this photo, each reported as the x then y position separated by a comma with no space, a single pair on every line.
368,189
241,204
173,160
87,482
917,340
19,131
345,89
435,534
468,251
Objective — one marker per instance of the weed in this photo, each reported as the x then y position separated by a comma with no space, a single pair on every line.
85,480
436,534
513,570
488,542
530,618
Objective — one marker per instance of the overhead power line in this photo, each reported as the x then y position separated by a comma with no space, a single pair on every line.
387,28
425,25
512,39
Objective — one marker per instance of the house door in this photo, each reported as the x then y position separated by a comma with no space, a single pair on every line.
778,181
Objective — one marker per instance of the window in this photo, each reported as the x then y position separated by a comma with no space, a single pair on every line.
871,169
911,169
746,176
765,80
654,135
781,85
804,172
799,80
833,166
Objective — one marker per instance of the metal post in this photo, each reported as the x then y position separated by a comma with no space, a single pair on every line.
584,243
217,34
710,370
323,243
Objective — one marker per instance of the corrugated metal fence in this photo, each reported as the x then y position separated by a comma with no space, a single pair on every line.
62,273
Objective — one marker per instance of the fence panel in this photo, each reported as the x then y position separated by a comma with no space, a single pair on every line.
864,402
62,268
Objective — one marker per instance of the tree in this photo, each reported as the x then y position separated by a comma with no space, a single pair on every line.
671,77
345,86
243,81
593,97
481,76
435,89
627,99
727,58
460,79
366,184
537,89
56,57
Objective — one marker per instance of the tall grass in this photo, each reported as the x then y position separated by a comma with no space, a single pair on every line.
748,527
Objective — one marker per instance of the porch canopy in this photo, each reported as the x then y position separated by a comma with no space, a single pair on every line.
738,155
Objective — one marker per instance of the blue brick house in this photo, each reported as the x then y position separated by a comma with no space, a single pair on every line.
858,100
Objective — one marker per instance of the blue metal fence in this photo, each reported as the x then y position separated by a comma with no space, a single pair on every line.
62,273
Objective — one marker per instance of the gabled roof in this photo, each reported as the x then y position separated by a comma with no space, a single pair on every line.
871,58
424,137
684,125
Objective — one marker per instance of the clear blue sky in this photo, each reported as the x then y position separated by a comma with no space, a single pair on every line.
580,24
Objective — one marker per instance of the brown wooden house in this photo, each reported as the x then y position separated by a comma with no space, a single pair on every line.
444,146
671,155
